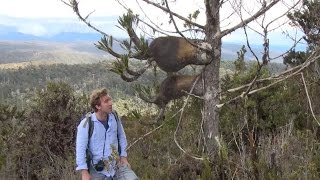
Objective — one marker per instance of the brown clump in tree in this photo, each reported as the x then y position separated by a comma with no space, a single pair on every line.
174,53
176,86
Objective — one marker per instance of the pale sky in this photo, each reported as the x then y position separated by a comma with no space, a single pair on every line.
52,8
47,17
24,14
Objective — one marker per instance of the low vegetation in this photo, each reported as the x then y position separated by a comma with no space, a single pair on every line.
269,135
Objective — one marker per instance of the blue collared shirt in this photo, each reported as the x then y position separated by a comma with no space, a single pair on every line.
100,138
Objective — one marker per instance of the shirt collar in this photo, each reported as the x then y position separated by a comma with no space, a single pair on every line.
94,116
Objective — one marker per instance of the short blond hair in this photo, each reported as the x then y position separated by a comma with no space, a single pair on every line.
96,96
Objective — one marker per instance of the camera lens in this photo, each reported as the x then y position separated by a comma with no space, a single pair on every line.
99,166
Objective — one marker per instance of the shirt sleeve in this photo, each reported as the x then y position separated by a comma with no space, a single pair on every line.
81,145
122,139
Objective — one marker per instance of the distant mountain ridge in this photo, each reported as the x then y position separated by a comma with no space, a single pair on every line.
73,48
60,37
49,52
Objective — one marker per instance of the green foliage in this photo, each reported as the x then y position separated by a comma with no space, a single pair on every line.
127,20
47,132
11,120
157,157
192,17
258,124
239,63
294,58
57,110
264,135
120,65
19,85
308,20
206,172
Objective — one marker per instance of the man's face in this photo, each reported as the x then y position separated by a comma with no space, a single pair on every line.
105,105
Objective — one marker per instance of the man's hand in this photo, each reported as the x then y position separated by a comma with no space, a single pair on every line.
124,161
85,174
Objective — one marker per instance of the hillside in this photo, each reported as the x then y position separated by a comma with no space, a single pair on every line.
77,52
42,52
34,113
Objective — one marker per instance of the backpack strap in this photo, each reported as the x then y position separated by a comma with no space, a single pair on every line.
89,121
118,121
91,126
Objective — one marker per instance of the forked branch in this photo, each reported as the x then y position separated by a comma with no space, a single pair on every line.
246,21
280,78
174,14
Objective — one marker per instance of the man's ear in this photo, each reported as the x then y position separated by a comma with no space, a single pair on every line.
98,107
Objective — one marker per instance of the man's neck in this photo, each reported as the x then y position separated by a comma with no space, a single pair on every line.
101,116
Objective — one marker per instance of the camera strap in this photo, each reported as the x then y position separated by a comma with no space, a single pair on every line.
115,114
104,143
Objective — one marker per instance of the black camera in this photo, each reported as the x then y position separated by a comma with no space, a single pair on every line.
99,166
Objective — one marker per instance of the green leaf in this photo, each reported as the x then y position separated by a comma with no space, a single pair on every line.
195,14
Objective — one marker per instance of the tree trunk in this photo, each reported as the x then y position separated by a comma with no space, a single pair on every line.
211,79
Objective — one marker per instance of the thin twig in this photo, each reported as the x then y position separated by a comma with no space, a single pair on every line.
74,5
305,64
150,132
309,100
174,14
179,122
292,47
242,23
201,132
179,32
145,135
277,77
299,68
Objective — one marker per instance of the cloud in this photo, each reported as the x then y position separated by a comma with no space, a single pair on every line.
46,27
57,9
33,29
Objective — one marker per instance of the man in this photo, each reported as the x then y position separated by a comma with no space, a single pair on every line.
103,144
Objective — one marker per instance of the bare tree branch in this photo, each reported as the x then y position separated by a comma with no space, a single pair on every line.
284,14
312,58
154,27
145,135
249,46
256,15
157,120
178,125
176,27
174,14
277,77
309,100
152,131
74,5
291,48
